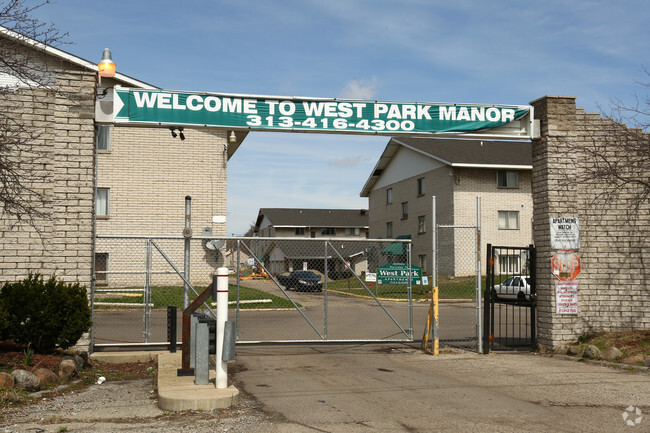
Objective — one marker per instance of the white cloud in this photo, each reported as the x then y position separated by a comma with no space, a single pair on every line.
360,89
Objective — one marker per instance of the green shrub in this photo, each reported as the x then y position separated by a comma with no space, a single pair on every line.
46,314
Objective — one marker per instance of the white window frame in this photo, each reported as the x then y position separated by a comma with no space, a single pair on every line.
103,138
389,196
422,224
421,187
507,179
389,229
102,202
505,219
405,210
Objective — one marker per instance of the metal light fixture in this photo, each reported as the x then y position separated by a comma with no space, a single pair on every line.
173,132
180,134
232,138
106,67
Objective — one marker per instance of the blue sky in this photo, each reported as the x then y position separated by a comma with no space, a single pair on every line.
498,52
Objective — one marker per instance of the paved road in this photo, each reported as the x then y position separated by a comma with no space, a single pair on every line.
396,388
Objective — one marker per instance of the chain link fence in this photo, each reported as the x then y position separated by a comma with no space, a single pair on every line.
281,289
459,282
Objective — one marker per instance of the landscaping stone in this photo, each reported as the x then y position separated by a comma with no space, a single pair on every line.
591,352
611,354
78,360
45,375
637,359
560,349
67,368
6,381
23,379
573,350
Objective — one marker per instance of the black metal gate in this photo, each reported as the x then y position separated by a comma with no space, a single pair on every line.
510,299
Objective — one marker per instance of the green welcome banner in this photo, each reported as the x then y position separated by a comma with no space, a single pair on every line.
172,108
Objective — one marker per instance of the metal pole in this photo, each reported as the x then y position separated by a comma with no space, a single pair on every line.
325,276
222,317
146,296
187,233
478,276
434,249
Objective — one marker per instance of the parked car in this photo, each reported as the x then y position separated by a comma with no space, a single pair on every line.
301,281
515,288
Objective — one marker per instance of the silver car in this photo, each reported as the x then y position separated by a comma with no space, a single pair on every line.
515,288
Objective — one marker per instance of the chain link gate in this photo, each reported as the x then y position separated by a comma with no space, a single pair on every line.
510,298
459,285
138,277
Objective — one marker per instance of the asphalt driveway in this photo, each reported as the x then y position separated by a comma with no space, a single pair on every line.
398,388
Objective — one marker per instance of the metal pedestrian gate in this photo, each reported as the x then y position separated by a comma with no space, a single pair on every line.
510,299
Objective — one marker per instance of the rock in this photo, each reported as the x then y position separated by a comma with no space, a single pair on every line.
6,381
646,361
45,375
67,368
611,354
637,359
560,349
573,350
23,379
78,360
591,352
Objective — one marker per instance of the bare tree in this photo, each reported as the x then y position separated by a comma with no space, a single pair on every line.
613,160
23,179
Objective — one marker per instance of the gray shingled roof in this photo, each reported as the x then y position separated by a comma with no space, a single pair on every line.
289,217
473,152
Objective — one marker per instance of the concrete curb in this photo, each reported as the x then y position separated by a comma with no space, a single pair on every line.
177,393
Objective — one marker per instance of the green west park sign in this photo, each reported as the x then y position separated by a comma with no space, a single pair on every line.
398,273
247,112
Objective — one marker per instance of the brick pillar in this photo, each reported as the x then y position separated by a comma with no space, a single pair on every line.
557,115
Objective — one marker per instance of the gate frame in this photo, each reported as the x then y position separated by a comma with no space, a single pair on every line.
488,317
478,276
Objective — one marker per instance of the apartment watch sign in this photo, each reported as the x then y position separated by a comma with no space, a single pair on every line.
161,107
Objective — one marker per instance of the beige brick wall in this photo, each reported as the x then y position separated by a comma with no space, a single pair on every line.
472,183
64,155
613,292
149,173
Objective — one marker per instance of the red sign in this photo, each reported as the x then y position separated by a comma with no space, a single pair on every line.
566,265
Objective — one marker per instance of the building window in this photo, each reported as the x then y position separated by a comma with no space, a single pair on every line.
101,267
422,224
421,187
423,263
507,179
352,231
103,138
101,201
405,210
508,220
300,231
389,195
509,264
389,229
328,231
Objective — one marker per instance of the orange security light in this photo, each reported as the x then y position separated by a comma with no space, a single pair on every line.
106,66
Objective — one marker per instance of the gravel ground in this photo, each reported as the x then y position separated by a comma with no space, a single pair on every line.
125,406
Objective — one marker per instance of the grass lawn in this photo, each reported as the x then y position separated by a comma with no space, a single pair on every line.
165,296
448,288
